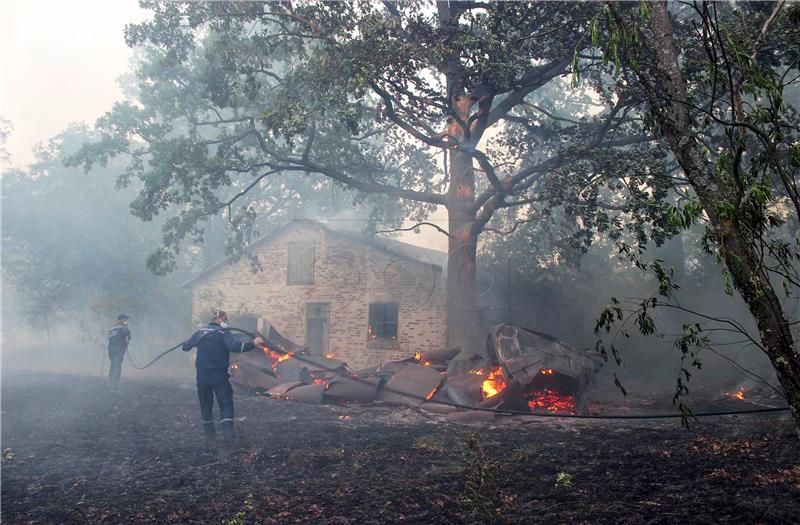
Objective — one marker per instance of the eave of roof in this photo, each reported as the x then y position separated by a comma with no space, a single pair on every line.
417,254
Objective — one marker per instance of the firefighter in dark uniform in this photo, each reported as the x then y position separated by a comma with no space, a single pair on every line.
118,339
213,344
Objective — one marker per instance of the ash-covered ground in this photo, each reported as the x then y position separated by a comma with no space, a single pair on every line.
74,453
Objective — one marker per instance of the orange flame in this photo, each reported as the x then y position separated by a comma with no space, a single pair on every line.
546,371
739,394
417,356
272,355
330,355
284,357
494,383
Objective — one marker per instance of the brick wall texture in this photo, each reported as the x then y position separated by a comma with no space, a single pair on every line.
348,275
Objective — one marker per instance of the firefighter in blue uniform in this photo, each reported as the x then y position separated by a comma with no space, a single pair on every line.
213,344
118,339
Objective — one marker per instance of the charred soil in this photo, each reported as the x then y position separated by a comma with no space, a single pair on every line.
75,453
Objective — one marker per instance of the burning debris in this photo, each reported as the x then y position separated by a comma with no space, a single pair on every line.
522,370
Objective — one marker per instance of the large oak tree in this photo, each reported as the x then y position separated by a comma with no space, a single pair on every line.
414,105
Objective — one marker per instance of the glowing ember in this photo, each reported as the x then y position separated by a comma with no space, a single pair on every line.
494,383
551,401
431,394
330,355
417,356
478,372
546,371
285,356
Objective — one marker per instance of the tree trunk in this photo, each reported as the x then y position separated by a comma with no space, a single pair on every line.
745,268
463,318
744,265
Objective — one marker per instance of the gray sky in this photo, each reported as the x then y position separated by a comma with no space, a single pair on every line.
59,61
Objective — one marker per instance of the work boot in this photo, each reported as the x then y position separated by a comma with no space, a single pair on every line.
208,431
226,425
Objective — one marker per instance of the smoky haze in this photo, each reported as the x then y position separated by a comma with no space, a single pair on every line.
74,256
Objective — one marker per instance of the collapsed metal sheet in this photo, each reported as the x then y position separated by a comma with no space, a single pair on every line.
307,393
255,359
417,380
389,369
439,356
301,366
239,380
524,353
289,370
281,389
360,390
471,365
256,378
464,389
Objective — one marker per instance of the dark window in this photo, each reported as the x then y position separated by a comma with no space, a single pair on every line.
300,263
383,321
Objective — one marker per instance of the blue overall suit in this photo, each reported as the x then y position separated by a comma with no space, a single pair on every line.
118,339
213,346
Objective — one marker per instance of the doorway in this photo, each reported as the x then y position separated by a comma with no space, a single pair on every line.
317,321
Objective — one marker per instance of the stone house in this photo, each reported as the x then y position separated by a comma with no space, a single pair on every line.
363,300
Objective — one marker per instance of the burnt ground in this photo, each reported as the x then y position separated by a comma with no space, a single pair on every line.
81,455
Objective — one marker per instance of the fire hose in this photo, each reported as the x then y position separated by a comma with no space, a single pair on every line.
277,348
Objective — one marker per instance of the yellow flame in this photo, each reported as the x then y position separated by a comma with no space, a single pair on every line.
494,383
284,357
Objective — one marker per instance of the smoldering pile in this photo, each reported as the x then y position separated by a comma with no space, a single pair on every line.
522,370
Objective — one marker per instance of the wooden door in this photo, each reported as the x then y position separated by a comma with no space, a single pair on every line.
317,320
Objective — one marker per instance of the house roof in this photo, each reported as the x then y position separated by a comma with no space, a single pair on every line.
409,251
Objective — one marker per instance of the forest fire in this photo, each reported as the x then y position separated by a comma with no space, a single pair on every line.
494,383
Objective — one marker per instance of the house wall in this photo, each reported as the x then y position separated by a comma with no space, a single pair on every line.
349,275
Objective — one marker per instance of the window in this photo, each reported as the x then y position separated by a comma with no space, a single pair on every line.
300,263
382,321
